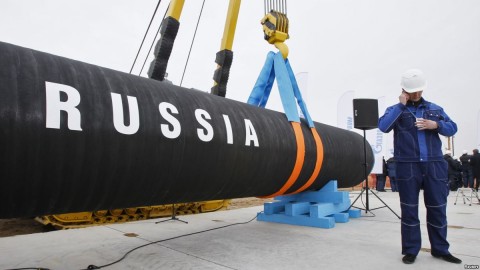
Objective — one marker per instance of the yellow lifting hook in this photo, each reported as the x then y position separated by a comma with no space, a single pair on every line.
275,28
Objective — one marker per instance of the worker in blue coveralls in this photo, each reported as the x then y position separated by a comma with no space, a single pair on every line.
417,124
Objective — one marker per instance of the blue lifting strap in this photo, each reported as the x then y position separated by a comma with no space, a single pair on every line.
276,67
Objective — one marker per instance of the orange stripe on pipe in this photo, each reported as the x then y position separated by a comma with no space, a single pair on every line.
298,162
318,164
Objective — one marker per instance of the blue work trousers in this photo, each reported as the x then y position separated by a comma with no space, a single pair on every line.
380,182
393,183
467,176
432,177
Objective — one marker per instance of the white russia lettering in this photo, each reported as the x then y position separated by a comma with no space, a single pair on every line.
167,111
175,132
55,105
118,121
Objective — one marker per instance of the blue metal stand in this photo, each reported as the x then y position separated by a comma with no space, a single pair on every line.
322,208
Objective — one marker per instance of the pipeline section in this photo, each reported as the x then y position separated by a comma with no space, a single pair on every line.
78,137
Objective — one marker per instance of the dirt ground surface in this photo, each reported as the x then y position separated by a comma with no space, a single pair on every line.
18,226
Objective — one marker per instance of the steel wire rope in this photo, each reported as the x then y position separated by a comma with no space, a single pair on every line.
275,5
193,40
153,42
144,36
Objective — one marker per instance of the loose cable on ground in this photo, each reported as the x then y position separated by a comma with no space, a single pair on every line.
90,267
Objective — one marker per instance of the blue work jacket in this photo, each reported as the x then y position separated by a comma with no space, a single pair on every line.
411,144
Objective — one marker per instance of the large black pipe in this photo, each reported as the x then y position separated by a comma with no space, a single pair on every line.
61,151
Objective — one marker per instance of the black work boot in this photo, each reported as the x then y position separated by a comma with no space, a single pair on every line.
409,258
448,258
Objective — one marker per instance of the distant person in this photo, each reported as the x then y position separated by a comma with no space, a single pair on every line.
475,162
392,175
417,124
382,177
467,174
458,173
454,171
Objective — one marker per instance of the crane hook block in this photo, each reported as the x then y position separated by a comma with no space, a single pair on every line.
275,29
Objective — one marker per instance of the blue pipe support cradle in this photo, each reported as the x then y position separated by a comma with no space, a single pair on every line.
322,208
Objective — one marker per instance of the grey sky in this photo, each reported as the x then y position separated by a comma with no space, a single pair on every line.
360,45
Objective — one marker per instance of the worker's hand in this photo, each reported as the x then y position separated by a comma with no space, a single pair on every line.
423,124
403,98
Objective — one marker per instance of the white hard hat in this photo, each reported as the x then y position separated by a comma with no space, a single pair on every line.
465,151
448,152
413,80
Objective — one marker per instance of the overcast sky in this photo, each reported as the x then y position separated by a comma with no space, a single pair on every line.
344,45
